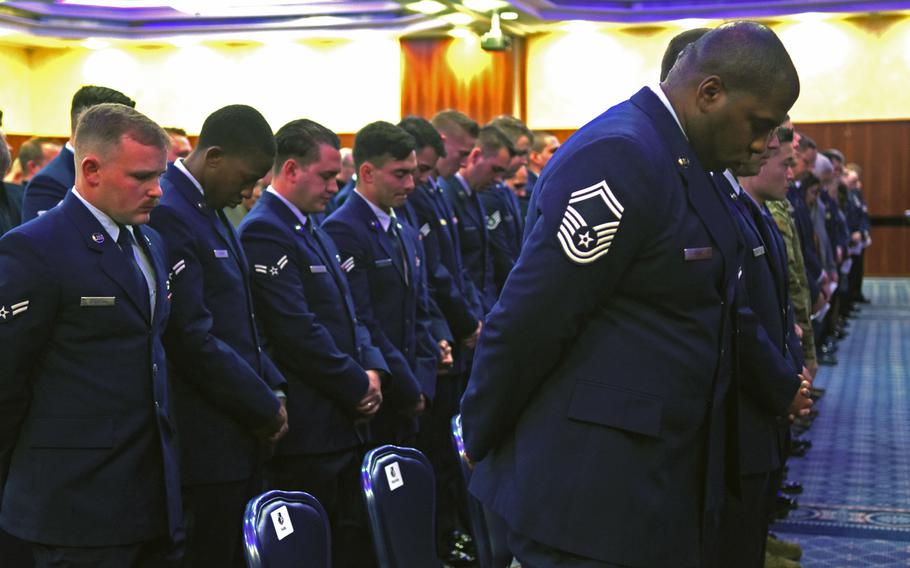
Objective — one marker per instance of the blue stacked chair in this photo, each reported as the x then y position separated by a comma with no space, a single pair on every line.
286,529
399,490
488,531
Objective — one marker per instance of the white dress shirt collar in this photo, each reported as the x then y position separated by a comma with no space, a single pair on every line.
178,163
301,216
385,219
657,90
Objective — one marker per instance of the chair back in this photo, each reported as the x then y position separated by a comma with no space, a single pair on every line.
286,529
399,491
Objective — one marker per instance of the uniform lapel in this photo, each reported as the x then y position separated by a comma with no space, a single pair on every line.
112,261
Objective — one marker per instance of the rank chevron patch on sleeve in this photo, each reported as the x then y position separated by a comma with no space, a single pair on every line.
589,223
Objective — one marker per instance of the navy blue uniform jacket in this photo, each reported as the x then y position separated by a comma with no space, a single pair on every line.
767,368
448,281
87,441
597,403
308,321
476,254
505,225
49,186
393,311
10,206
223,382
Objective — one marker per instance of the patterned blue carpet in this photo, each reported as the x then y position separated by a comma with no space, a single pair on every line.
855,510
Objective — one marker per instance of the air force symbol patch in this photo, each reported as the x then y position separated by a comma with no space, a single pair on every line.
589,223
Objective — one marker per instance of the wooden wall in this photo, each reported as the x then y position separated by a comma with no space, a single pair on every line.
881,149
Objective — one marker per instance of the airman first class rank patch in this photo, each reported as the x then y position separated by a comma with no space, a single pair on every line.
8,313
274,270
589,223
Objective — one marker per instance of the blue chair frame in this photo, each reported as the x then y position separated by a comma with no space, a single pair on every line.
261,505
424,549
488,532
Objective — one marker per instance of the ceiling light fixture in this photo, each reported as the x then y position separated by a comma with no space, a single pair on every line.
95,43
484,6
509,16
426,7
458,18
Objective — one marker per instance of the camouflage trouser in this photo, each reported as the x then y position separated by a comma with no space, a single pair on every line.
796,275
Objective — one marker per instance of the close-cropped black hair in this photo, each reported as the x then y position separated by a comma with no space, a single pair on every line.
237,130
380,140
424,134
91,95
300,139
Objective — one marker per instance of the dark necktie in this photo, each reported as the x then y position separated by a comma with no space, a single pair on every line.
125,240
398,245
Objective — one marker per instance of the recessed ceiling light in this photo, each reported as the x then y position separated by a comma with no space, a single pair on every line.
484,5
426,6
508,15
95,43
458,18
462,33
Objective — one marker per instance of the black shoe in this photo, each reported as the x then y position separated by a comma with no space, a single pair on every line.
840,333
792,487
827,359
801,442
863,300
798,451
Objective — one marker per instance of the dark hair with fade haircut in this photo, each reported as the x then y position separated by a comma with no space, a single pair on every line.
446,121
424,134
676,46
237,130
806,143
300,139
834,154
378,141
512,127
492,139
102,126
747,56
91,95
32,150
784,134
175,131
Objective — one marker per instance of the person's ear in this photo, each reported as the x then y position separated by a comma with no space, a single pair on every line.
711,93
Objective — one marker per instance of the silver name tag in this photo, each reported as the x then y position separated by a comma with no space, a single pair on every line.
220,253
96,301
704,253
758,251
317,268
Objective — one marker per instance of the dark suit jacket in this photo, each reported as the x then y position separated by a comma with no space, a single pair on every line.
393,310
598,400
505,225
308,320
471,224
768,378
10,206
85,421
223,382
49,186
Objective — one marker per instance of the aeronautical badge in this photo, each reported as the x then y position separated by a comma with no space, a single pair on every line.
589,223
348,265
7,313
493,220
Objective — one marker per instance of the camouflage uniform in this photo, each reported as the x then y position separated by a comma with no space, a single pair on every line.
798,282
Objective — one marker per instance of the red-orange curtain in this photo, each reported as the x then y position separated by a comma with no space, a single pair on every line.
452,73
